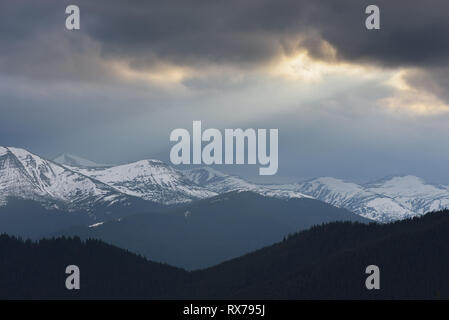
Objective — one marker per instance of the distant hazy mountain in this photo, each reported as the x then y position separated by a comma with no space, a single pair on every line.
209,231
71,160
324,262
80,184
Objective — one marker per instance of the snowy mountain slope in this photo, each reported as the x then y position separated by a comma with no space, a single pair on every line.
390,199
219,183
150,180
412,193
355,198
24,175
15,180
71,160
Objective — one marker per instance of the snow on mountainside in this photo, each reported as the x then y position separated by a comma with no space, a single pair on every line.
71,160
25,175
82,185
219,182
355,198
386,200
412,193
150,180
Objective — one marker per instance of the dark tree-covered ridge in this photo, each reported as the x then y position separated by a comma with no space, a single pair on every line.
323,262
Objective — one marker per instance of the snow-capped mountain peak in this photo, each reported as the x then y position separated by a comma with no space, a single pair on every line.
391,198
25,175
412,193
82,184
150,180
404,186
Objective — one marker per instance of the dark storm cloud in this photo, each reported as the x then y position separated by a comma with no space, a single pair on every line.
35,43
253,31
236,32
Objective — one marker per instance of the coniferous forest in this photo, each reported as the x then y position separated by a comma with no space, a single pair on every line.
324,262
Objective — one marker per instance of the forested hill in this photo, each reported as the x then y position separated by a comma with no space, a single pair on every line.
324,262
37,270
329,262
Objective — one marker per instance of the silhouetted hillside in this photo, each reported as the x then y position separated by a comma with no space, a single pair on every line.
324,262
37,270
329,262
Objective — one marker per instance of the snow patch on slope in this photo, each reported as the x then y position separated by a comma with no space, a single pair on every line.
219,183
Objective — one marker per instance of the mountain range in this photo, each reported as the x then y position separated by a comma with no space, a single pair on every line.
172,218
389,199
71,183
150,180
24,175
392,198
192,218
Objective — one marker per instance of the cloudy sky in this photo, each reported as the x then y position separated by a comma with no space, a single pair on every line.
348,102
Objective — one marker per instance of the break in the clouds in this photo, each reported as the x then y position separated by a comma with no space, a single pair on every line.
348,102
